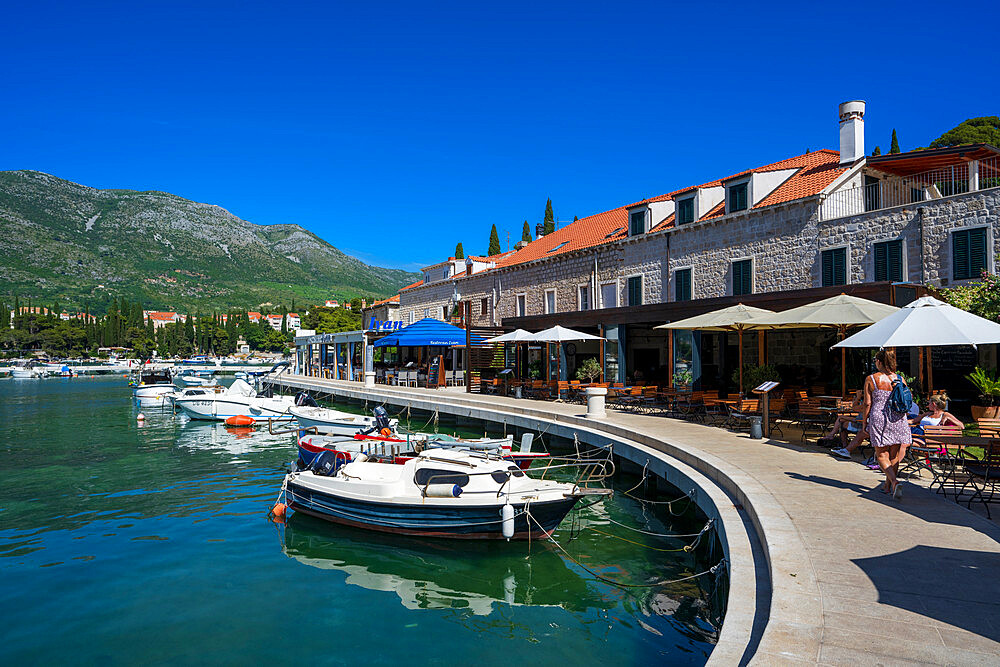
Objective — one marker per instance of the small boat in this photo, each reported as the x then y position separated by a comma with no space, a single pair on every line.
328,421
454,493
190,378
26,370
239,399
153,384
67,372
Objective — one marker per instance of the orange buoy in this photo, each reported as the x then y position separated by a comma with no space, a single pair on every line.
386,432
278,510
240,420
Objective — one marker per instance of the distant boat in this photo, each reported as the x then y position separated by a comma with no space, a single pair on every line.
190,378
26,370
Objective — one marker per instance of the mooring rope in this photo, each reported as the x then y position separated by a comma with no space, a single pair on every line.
663,582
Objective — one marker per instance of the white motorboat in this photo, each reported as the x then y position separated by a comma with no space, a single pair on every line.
26,370
438,493
154,385
239,399
328,421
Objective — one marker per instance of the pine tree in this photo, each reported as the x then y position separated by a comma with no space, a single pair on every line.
877,151
894,148
494,242
459,251
575,218
526,232
550,219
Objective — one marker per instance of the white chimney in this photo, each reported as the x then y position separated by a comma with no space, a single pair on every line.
852,131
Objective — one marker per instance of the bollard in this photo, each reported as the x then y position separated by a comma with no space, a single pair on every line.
369,379
755,428
595,402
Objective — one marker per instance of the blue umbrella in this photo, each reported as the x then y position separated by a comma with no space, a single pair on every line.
428,332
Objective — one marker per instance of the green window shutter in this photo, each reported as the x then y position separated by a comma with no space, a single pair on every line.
881,262
895,261
637,223
834,267
682,285
685,211
635,291
826,279
960,255
977,252
742,278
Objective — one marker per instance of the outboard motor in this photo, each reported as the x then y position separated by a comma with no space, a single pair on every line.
304,399
381,418
327,463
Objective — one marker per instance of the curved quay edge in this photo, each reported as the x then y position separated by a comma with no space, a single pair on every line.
773,611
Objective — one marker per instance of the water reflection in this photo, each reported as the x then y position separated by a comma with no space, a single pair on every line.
441,574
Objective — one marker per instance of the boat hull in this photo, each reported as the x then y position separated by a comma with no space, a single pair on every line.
221,408
426,520
154,391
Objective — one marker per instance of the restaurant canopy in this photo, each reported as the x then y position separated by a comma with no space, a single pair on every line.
427,332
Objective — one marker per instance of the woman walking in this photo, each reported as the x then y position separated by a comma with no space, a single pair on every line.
888,430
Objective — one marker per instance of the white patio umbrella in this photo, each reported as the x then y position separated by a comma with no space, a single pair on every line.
927,322
734,318
517,336
839,312
558,334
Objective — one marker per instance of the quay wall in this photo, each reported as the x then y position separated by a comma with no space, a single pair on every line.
757,618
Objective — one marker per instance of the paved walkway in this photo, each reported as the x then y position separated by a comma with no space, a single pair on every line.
857,577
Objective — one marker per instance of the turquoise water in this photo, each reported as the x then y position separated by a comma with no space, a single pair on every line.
122,543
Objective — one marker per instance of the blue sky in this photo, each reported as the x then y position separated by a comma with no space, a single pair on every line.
395,130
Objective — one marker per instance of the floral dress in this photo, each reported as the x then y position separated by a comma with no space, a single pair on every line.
886,427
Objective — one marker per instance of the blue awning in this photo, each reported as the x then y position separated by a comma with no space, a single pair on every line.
427,331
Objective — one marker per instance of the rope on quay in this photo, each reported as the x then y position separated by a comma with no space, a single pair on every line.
698,535
663,582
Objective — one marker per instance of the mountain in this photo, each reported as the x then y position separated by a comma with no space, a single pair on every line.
82,246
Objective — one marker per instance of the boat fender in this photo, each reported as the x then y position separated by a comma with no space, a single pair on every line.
361,458
386,432
240,420
278,510
507,521
442,491
140,417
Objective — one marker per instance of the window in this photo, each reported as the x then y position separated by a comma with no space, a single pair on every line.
427,312
833,267
873,193
444,273
411,317
444,313
743,277
682,285
917,194
614,233
968,253
737,197
609,295
583,300
550,301
558,246
635,291
685,211
637,223
522,305
889,261
435,476
484,307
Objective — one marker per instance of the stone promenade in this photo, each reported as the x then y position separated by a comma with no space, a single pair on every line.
855,577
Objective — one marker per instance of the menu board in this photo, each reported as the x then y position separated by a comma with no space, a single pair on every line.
435,374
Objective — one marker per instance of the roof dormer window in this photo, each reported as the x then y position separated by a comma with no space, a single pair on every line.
685,211
637,223
736,197
558,246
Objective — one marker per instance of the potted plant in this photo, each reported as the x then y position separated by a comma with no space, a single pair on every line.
987,384
683,378
589,369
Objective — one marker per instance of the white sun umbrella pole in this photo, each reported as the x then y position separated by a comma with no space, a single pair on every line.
517,336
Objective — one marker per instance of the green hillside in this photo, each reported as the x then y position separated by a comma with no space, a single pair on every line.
81,246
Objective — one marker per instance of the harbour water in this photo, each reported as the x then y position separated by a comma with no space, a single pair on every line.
124,543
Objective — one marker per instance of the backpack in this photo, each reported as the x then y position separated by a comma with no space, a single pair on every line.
900,398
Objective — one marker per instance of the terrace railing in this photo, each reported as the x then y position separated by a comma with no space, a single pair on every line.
902,190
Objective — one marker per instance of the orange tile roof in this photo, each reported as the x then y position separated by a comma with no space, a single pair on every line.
158,315
392,299
412,285
584,233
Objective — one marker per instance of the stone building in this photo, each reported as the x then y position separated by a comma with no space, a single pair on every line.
826,220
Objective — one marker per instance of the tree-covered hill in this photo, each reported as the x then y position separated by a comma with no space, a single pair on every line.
79,245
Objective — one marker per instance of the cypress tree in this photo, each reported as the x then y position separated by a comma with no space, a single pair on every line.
575,218
526,232
494,242
894,148
550,219
459,251
877,151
